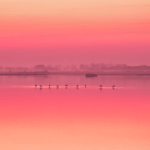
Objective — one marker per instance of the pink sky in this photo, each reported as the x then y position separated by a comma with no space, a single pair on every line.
73,32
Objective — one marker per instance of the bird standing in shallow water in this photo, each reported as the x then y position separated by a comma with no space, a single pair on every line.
113,87
100,87
40,86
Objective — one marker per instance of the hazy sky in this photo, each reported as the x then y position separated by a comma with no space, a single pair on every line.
74,31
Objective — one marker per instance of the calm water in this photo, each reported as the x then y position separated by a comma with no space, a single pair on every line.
72,80
75,119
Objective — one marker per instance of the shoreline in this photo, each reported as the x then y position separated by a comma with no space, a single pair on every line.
45,74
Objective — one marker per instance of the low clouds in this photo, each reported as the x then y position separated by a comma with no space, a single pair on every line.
110,67
16,69
93,67
39,68
22,69
46,68
10,69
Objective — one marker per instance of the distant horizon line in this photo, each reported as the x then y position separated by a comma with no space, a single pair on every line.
35,73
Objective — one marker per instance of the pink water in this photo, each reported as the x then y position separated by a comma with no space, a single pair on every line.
69,119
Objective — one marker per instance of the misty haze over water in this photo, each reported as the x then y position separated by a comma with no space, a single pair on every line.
108,75
73,80
81,69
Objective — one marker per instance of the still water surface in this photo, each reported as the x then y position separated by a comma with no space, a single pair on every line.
72,80
69,119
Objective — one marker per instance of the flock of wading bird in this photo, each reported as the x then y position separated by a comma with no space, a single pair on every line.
57,86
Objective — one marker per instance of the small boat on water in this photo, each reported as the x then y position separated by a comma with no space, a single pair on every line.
91,75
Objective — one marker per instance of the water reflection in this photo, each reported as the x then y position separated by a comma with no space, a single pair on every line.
73,80
83,119
66,86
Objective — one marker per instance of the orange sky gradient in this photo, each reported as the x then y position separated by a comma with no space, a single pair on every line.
74,32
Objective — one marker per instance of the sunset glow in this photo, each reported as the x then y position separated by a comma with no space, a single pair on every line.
62,120
74,74
109,27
